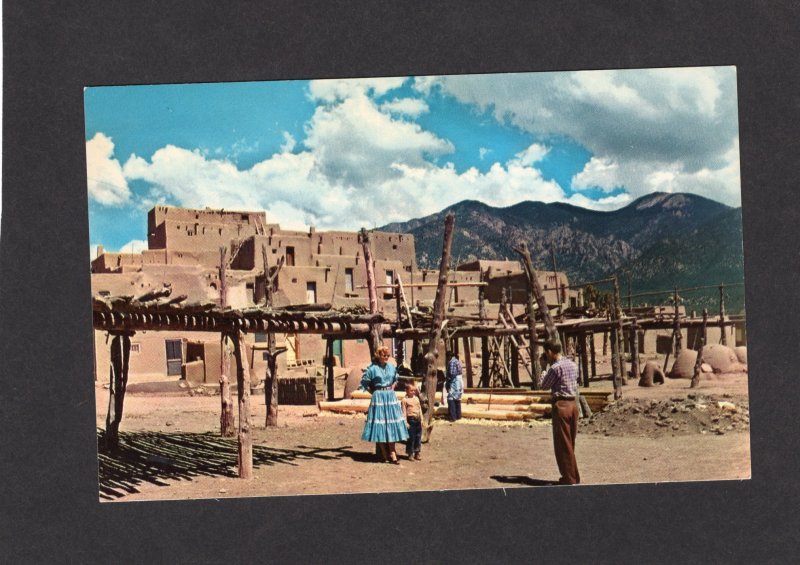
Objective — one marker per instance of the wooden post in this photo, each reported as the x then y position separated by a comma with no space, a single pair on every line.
329,367
118,382
676,332
245,450
723,337
536,290
697,366
558,286
623,376
226,402
432,356
375,329
615,358
705,328
271,376
593,353
584,359
484,362
634,341
514,363
468,362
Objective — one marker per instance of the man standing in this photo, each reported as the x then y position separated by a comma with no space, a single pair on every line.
562,380
455,388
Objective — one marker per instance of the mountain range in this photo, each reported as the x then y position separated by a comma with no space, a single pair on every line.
663,240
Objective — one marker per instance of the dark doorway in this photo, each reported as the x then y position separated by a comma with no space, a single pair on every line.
174,356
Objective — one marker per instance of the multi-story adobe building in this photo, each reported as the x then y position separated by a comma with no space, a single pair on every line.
318,267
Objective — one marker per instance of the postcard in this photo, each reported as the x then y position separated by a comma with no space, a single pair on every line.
417,283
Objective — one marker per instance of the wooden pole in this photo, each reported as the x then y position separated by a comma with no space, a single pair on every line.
484,381
245,450
697,366
120,350
678,338
558,288
593,353
704,327
620,332
437,325
468,361
375,332
634,341
535,289
271,376
723,337
615,358
226,402
329,367
584,359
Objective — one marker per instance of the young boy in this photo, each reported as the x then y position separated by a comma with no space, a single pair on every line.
412,410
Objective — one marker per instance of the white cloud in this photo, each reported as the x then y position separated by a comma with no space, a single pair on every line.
364,163
533,154
667,128
333,90
289,143
411,107
105,181
355,144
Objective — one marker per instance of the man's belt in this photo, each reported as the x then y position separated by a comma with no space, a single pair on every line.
557,398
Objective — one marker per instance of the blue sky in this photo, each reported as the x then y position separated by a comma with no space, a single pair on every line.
342,154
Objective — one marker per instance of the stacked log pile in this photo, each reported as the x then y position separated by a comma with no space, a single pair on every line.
489,404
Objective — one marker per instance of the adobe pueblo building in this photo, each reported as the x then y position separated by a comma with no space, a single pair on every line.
226,259
315,268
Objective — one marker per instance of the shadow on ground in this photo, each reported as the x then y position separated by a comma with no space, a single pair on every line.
522,480
156,458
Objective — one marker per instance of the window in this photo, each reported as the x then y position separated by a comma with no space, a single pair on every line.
389,277
135,348
290,256
348,280
311,293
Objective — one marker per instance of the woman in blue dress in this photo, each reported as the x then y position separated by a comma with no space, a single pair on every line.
385,423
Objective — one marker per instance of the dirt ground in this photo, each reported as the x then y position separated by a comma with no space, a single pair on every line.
171,448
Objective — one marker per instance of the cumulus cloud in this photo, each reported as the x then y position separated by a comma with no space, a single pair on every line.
363,162
356,144
333,90
670,128
411,107
105,181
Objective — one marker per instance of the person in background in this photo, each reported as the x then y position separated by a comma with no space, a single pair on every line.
455,387
562,380
385,423
412,410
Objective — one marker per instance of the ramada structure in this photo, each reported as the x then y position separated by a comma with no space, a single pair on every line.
218,283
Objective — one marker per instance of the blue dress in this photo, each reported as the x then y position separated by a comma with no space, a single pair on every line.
385,422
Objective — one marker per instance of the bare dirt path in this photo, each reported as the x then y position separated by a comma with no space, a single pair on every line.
173,440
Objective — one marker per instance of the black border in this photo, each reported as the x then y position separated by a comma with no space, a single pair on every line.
49,509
